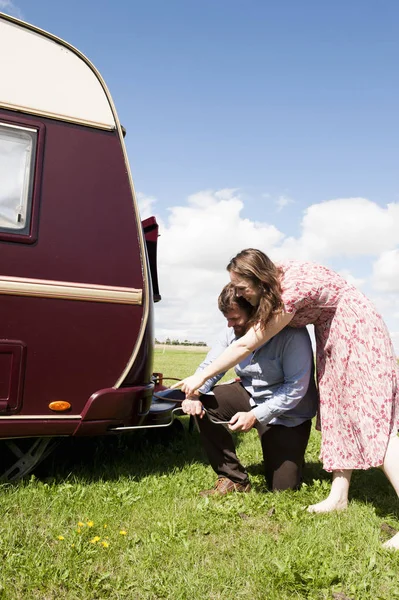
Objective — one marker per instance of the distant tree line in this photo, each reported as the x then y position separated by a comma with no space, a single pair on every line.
169,342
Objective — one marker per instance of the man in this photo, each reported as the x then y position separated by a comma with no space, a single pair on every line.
276,394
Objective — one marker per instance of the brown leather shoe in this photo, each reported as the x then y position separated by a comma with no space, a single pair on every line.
224,486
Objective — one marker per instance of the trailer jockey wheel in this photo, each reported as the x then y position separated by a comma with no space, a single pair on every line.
20,456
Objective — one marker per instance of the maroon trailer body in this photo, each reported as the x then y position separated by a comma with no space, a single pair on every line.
76,297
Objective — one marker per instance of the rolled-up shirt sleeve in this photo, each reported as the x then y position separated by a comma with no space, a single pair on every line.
222,343
297,360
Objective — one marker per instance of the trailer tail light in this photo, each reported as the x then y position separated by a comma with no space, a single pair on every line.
157,379
59,406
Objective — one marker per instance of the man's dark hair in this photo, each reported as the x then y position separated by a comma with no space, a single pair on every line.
228,298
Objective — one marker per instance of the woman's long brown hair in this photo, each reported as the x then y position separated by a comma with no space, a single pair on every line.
255,266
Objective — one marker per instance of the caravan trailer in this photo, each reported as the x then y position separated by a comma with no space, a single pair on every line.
78,274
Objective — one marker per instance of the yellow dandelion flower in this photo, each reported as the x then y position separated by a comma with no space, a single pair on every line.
95,539
73,545
105,526
80,524
104,544
61,537
90,523
123,532
78,530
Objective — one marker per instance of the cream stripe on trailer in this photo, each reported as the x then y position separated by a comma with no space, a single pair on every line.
65,290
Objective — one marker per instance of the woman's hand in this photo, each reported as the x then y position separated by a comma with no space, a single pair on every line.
190,385
242,421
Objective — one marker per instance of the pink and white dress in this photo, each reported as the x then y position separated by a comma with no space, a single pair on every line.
357,370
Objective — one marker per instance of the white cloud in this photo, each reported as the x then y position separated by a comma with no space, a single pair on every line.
395,339
282,202
386,272
345,227
146,204
198,239
10,8
387,304
352,279
206,233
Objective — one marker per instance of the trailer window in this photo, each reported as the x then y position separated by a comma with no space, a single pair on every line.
17,160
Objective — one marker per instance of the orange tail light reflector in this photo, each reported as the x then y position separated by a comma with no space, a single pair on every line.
59,405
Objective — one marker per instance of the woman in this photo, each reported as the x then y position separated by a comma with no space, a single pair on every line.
356,367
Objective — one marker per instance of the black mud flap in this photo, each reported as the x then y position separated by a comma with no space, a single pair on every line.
150,229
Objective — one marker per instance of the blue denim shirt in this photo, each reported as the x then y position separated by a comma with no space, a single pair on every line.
279,376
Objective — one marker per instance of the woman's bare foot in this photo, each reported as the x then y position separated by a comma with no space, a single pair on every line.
393,543
338,497
328,505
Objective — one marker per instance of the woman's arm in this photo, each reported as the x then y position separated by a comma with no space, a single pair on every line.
236,352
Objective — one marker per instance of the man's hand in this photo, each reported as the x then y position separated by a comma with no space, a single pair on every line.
193,407
242,421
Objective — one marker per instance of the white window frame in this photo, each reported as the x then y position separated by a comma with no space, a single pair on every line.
16,177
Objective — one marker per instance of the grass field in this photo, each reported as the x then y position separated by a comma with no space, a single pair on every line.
121,518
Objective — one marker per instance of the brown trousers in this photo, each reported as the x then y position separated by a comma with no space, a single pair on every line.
283,447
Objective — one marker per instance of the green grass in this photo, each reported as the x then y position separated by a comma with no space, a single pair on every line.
181,363
178,545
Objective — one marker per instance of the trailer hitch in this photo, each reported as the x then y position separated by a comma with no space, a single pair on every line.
173,410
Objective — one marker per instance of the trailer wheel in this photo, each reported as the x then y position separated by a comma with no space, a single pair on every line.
20,456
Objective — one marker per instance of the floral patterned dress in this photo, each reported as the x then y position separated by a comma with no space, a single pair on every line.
357,370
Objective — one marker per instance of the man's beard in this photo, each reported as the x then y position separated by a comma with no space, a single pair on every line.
239,331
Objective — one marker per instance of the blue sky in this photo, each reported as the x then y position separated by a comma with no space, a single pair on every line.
292,107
